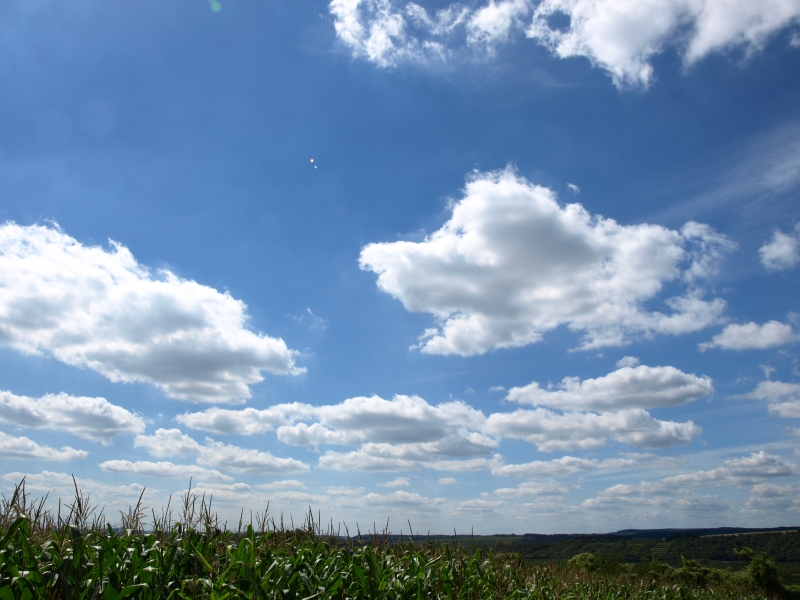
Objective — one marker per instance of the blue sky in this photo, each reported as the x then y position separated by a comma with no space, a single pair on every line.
512,265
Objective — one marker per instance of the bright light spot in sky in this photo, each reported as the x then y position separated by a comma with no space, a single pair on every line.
215,6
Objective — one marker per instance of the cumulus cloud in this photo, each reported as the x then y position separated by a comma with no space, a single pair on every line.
755,472
341,490
89,418
481,506
622,37
395,434
627,361
25,449
566,465
551,431
741,472
752,336
247,421
162,469
746,470
101,309
627,387
534,488
782,253
783,398
397,482
400,498
408,433
405,457
769,498
618,36
512,263
447,480
166,443
63,484
282,485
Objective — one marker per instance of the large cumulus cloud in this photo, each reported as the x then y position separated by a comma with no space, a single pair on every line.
91,307
512,263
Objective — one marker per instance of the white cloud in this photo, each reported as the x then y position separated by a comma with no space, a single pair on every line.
162,469
627,361
312,321
103,310
534,488
622,36
783,398
395,434
447,480
769,498
407,433
405,457
746,470
551,431
245,460
512,264
281,485
397,482
171,442
62,484
89,418
752,336
296,496
740,472
619,36
782,253
566,465
573,188
23,448
481,506
400,498
344,491
627,387
167,443
247,421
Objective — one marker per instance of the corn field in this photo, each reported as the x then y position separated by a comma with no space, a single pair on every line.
75,553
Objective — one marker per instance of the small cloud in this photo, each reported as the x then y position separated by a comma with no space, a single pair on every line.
469,390
627,361
573,188
768,370
752,336
398,482
447,480
311,321
795,41
344,491
783,252
497,388
282,485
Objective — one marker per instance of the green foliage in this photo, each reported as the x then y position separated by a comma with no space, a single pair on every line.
779,546
79,556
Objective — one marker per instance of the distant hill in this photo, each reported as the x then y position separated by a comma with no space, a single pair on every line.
782,544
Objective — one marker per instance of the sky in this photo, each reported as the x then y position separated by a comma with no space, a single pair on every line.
501,266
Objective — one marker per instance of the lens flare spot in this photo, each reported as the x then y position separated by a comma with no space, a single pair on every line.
215,6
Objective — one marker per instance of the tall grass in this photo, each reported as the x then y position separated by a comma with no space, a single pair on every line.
74,552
